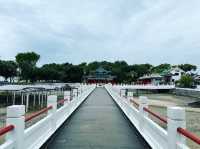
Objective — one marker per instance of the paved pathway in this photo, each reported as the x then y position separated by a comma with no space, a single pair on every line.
97,124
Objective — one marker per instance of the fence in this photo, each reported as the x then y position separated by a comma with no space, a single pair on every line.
17,137
156,136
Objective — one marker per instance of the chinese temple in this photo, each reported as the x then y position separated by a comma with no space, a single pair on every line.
100,75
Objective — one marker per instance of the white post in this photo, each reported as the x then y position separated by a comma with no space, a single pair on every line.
143,103
27,102
42,103
176,119
71,94
46,96
34,99
14,98
66,96
22,98
52,101
39,100
15,116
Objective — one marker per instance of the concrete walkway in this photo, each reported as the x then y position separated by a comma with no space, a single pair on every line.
97,124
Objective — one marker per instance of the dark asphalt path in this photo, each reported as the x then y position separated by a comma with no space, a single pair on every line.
97,124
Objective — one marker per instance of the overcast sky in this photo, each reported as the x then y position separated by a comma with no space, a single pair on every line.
138,31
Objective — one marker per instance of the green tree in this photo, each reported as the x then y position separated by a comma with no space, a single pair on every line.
186,81
83,66
160,68
139,70
27,64
8,69
120,69
188,67
51,72
74,74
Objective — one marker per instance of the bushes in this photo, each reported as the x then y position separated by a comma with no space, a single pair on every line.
186,81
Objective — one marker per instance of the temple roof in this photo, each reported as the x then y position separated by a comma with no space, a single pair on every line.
101,70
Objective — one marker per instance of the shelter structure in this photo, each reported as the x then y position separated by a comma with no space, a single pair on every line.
36,95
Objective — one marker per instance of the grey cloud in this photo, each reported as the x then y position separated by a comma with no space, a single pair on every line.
138,31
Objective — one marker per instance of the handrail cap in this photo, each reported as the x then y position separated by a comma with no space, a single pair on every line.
176,113
143,99
15,111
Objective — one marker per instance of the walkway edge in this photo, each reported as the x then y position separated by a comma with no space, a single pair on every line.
134,116
62,115
36,135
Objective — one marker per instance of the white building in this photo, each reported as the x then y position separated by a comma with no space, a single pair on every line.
176,73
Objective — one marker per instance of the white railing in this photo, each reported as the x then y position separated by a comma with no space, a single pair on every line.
36,135
148,86
156,136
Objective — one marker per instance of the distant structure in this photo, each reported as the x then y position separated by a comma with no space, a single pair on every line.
197,80
176,73
100,75
166,77
154,79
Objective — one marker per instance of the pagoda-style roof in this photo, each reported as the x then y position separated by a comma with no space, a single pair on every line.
101,70
100,74
166,73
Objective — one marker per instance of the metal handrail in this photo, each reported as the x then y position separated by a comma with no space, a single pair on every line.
155,115
28,118
6,129
189,135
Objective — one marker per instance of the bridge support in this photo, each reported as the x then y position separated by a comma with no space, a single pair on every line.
176,119
15,116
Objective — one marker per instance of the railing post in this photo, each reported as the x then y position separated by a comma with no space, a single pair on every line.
66,96
126,93
81,89
15,116
52,101
176,119
71,94
143,102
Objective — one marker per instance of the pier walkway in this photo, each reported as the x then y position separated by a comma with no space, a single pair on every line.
97,124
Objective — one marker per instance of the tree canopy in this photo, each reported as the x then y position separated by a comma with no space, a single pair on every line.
187,67
27,64
8,69
186,81
160,68
26,68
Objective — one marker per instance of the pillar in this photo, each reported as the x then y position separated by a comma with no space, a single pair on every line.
27,102
175,119
143,103
52,101
15,116
34,99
